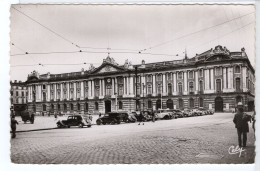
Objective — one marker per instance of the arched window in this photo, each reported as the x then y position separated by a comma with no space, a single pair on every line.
191,74
149,78
180,103
218,71
180,87
78,105
191,100
159,77
201,102
96,105
44,107
169,104
71,107
201,73
237,69
179,75
120,105
150,104
169,89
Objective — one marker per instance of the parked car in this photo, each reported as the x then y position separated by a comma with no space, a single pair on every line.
146,114
197,112
74,120
178,113
131,117
163,114
203,111
187,113
210,111
113,118
27,116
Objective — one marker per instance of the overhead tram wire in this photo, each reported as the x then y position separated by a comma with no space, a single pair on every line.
57,34
192,33
212,40
41,64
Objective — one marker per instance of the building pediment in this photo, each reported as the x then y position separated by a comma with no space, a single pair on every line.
106,67
218,58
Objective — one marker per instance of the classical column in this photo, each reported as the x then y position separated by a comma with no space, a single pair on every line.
75,91
131,85
82,90
231,78
212,78
124,86
89,88
164,84
68,90
100,87
103,87
116,86
185,82
48,92
113,86
206,79
54,91
61,91
92,88
224,78
196,81
40,92
154,92
174,84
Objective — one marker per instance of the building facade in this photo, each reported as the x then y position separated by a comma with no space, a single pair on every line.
18,96
216,79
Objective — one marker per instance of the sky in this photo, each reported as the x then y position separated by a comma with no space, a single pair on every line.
123,30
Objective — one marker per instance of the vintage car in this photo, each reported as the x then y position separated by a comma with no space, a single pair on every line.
27,116
146,114
178,113
187,113
163,114
210,112
75,120
203,111
131,117
197,112
113,118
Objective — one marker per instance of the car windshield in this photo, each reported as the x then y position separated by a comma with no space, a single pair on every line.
106,115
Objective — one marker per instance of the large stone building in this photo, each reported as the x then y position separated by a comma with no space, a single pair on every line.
216,79
18,96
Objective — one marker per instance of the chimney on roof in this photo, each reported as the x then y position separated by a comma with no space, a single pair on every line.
15,81
243,52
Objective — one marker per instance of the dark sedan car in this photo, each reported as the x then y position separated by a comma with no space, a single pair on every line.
75,120
178,113
113,118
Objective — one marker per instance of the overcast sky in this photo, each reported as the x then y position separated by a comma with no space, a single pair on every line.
165,28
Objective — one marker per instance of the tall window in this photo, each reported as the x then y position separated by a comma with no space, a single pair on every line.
170,89
96,105
138,90
52,86
71,107
237,69
120,105
65,107
86,106
78,105
52,107
71,94
149,78
120,90
22,93
86,92
150,104
149,89
201,72
201,86
44,107
201,102
96,91
159,77
179,75
169,76
218,84
71,85
191,74
191,103
58,107
237,84
52,96
169,104
108,90
191,87
218,71
58,95
180,87
78,93
17,93
180,103
44,96
43,87
159,89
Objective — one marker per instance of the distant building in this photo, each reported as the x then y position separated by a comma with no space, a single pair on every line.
216,79
18,96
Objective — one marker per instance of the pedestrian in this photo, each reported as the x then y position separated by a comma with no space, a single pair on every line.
241,120
55,115
99,115
153,115
141,118
32,118
13,126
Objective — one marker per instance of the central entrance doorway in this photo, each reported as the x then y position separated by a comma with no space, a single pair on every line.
218,104
107,106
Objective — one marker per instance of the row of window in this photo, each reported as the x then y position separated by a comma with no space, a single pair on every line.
17,93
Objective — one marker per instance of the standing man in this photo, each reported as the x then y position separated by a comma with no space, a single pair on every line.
241,123
13,126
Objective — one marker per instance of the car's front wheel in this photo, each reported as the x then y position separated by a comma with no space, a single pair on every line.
98,122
